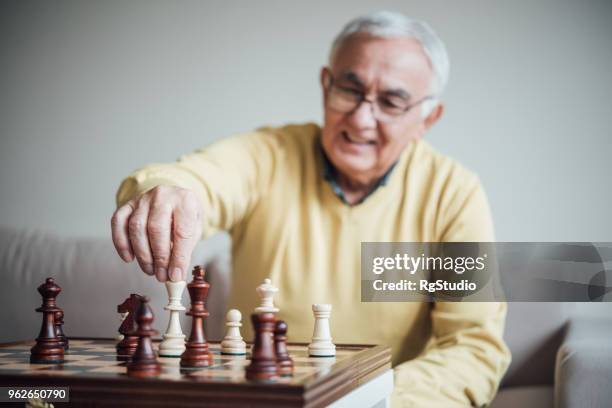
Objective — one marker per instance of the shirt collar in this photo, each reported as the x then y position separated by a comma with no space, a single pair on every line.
329,175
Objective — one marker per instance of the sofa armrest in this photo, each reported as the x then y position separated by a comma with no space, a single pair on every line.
583,370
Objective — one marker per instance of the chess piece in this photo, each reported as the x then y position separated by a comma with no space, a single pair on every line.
232,342
59,330
284,362
266,291
321,345
122,317
127,346
48,348
263,356
173,344
144,361
196,353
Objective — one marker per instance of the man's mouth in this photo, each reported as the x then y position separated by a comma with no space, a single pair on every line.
356,139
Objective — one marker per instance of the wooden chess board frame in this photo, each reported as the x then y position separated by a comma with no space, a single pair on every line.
97,379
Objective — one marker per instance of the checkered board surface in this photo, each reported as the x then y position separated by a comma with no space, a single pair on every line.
97,358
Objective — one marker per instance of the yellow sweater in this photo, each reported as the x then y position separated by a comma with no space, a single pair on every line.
267,189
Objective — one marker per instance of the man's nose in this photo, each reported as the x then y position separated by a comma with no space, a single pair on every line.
363,116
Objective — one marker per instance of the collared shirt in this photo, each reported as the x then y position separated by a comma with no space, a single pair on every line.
329,174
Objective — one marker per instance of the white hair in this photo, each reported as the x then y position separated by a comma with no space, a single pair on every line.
390,24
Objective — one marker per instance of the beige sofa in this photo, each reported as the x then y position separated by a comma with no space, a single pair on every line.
562,352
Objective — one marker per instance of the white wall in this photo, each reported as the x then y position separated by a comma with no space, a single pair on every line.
92,90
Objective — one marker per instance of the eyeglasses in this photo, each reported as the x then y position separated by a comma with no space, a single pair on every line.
385,108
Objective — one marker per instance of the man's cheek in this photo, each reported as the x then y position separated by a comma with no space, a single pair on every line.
331,118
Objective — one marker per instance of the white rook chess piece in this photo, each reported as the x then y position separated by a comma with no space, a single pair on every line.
173,344
266,291
321,345
232,342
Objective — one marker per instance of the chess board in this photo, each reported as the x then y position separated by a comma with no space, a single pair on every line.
96,379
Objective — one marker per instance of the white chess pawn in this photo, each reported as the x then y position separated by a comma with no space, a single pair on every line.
122,317
266,291
321,345
232,342
173,344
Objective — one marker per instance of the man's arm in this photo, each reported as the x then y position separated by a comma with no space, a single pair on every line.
163,209
466,357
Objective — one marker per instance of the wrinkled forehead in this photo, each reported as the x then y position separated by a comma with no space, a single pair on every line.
381,63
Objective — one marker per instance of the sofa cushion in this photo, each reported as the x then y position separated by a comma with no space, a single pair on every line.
524,397
94,280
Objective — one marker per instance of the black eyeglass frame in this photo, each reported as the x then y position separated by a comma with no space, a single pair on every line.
362,98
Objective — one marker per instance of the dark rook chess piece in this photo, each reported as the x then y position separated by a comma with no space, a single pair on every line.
144,361
48,348
196,352
263,356
59,330
127,346
284,362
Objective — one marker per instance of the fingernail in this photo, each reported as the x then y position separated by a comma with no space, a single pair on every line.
148,269
176,274
160,273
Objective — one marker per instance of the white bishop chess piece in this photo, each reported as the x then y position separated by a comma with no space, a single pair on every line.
266,291
232,342
321,345
173,343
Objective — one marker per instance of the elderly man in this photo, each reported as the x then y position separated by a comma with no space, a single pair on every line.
299,200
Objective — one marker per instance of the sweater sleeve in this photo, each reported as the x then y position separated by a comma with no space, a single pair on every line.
228,178
466,356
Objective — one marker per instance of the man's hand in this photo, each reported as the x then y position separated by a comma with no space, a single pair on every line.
160,228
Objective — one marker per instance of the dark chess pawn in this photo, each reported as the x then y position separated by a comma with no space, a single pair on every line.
59,330
144,361
127,346
284,362
263,356
196,352
48,348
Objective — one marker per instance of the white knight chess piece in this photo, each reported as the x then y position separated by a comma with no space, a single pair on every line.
266,291
173,344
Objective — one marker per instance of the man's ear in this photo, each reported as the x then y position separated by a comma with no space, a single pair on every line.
323,76
434,116
324,80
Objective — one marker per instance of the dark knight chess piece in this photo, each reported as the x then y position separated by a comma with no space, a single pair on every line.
127,346
48,348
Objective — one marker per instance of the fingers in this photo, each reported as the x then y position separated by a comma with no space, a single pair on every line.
119,228
185,234
159,230
137,232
